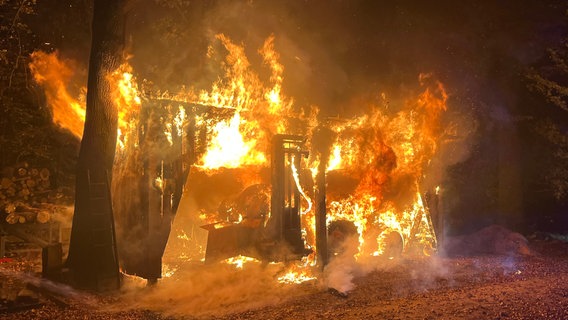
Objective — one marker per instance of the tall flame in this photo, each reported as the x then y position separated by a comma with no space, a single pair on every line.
54,74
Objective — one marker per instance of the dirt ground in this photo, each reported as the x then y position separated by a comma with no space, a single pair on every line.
476,287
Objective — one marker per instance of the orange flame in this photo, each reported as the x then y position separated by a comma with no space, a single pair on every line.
299,272
389,152
240,261
229,149
53,74
260,109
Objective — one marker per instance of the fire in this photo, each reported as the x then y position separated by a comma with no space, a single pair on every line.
229,149
387,153
296,274
273,95
414,225
240,261
53,74
296,277
127,100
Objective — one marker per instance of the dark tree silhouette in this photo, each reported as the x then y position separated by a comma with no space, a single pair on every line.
92,254
551,81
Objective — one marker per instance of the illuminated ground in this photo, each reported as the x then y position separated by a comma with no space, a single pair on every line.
486,287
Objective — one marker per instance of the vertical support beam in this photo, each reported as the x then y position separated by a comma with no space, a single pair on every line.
321,215
322,141
285,201
433,205
277,181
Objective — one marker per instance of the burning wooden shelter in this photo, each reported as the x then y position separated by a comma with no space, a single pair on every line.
244,141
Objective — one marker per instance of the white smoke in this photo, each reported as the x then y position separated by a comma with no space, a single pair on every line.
205,290
340,272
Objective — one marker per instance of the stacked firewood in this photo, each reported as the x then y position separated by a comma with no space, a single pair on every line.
26,194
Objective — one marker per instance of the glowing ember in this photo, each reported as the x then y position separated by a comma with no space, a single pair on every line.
354,211
168,271
240,261
296,275
182,235
385,151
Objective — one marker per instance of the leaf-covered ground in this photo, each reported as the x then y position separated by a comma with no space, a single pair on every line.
477,287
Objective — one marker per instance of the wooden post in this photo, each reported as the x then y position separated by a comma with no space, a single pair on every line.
321,215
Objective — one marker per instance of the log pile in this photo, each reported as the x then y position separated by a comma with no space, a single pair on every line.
27,195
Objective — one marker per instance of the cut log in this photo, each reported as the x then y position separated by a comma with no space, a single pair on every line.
5,183
12,218
30,183
43,216
23,207
24,192
22,172
28,216
34,172
44,174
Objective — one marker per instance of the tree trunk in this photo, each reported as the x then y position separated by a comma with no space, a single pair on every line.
98,145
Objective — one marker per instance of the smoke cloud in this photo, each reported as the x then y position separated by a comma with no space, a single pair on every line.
213,289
